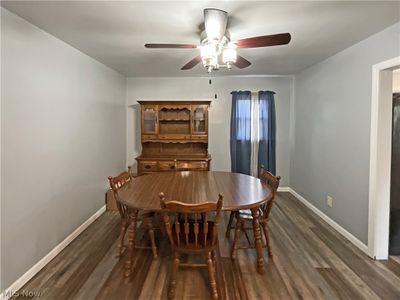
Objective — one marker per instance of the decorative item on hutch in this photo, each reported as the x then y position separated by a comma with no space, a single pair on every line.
174,136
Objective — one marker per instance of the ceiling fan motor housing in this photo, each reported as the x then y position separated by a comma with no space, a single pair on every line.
204,39
215,22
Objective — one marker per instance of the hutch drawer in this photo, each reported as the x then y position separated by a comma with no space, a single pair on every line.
148,166
166,165
192,165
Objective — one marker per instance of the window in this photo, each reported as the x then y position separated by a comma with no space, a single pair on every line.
243,119
252,132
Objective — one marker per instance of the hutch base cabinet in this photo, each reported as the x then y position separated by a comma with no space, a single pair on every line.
174,136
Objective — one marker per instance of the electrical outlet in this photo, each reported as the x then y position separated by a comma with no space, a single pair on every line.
329,201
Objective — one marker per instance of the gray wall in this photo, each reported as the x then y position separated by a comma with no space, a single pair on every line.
62,132
332,130
195,88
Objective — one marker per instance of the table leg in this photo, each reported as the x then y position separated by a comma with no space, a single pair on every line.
258,240
131,241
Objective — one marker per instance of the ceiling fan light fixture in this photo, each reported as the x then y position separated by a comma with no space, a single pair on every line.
208,50
209,56
210,63
229,55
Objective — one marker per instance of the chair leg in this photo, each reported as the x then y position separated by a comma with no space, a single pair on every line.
258,241
121,246
152,239
172,286
214,258
229,227
211,275
238,228
131,242
266,234
161,224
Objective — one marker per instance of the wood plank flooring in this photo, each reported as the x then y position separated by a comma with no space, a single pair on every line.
311,261
394,264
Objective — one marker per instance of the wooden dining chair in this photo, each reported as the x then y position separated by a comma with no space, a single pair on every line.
145,216
244,218
192,229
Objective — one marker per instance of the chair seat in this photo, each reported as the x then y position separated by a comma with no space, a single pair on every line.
146,214
247,215
191,243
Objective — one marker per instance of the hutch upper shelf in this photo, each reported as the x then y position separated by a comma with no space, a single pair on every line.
178,121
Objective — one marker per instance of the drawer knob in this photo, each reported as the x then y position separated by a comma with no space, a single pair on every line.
147,167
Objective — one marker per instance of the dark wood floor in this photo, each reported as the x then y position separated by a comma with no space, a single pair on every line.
312,261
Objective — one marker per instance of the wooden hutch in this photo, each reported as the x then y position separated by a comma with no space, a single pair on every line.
174,136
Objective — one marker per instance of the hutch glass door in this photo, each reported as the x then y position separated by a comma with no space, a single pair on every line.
199,119
149,120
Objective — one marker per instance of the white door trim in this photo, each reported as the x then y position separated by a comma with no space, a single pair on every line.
380,158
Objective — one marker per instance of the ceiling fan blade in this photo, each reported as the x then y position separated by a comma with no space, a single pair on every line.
215,21
178,46
241,62
264,41
192,63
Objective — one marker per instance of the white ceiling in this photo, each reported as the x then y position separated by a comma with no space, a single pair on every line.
114,32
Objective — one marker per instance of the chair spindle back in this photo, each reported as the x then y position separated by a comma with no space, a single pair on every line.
118,182
272,181
191,225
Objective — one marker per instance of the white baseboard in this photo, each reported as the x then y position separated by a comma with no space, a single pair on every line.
360,245
20,282
284,189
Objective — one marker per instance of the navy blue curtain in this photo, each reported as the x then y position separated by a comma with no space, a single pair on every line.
241,132
267,131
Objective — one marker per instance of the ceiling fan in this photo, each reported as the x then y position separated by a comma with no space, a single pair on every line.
215,43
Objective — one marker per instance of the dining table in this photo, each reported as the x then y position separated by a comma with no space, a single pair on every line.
240,192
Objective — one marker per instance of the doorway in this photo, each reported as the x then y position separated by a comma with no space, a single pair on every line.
381,158
394,223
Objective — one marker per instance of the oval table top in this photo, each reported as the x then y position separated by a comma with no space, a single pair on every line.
240,191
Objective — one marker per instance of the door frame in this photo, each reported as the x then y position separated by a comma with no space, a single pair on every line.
380,158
